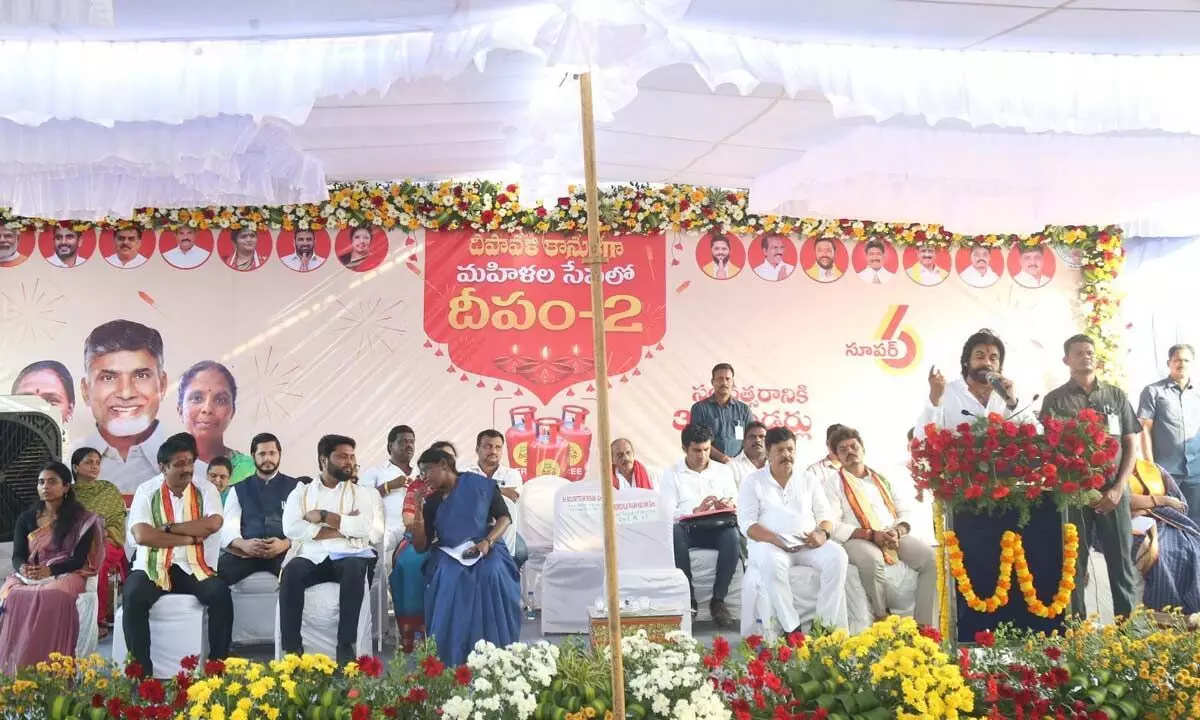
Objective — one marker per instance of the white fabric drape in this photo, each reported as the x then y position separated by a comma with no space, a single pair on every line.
19,13
79,170
1158,272
981,182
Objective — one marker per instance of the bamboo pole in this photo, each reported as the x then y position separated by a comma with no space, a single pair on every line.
596,262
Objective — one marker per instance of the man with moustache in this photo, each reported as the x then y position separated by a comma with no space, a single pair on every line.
391,479
628,471
177,527
875,273
1033,261
724,414
754,452
1109,516
10,253
872,524
773,267
253,537
980,273
1170,413
124,384
128,254
66,248
304,258
333,524
51,381
788,521
829,466
489,449
824,270
186,255
926,270
972,396
721,268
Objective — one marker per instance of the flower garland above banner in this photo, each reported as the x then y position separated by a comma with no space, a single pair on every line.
637,210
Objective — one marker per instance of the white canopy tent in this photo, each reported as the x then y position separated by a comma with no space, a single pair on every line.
927,114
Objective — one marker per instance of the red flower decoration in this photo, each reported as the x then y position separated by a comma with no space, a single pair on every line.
462,675
370,666
754,641
152,691
432,667
214,668
97,700
417,695
932,633
133,670
985,638
360,712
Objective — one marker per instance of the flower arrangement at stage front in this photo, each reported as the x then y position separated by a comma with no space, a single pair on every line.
894,669
996,465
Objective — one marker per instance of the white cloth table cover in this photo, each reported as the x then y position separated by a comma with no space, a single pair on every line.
574,573
88,607
254,601
318,625
535,522
178,628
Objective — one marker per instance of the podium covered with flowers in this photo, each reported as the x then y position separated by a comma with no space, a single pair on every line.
1007,554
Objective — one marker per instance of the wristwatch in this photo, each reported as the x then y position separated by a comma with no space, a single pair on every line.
324,514
167,529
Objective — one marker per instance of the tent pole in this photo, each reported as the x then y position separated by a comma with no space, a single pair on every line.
596,261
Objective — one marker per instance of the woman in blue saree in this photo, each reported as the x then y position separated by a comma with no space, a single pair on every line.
1166,542
463,518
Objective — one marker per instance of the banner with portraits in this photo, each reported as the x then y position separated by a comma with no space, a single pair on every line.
225,333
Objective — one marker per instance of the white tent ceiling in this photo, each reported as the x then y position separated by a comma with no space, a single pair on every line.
707,92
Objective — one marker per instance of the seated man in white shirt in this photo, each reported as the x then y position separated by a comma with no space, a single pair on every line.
696,484
628,471
489,449
787,518
965,399
754,452
828,467
177,527
391,479
871,523
333,524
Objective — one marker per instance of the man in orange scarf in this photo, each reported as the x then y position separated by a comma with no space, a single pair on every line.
874,532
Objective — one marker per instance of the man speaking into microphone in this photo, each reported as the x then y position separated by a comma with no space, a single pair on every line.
981,390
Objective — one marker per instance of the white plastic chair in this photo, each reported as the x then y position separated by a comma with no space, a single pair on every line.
254,601
535,521
178,628
319,623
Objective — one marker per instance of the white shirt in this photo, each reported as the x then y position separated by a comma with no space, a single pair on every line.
232,528
140,512
925,276
974,278
57,261
845,523
1024,279
504,476
115,260
361,531
868,275
778,272
654,476
393,504
958,398
683,489
186,260
822,471
293,262
139,465
797,507
741,467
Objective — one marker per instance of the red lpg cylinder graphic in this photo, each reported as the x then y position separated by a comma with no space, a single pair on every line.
579,441
518,437
548,451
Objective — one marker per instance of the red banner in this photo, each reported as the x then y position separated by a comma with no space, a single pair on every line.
519,307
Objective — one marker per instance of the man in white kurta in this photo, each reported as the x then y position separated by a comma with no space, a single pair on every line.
333,524
788,520
828,467
754,452
872,524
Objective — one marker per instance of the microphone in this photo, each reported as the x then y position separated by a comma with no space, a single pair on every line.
1032,400
996,381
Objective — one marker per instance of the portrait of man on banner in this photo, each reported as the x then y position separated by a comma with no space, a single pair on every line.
123,248
776,257
303,250
721,257
186,248
67,245
15,246
124,385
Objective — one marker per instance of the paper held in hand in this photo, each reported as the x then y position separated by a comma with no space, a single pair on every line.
457,551
794,540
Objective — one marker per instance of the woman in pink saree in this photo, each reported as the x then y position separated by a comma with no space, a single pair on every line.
57,545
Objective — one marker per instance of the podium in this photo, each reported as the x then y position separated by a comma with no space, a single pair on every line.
979,537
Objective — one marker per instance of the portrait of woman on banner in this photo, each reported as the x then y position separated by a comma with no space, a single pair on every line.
245,249
474,590
207,404
57,545
361,248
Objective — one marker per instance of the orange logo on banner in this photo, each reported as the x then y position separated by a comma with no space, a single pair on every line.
519,308
895,347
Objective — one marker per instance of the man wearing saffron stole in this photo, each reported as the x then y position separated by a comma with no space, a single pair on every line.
334,525
177,528
628,471
872,527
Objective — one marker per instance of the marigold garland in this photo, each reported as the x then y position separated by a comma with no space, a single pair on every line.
637,209
1012,555
939,531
